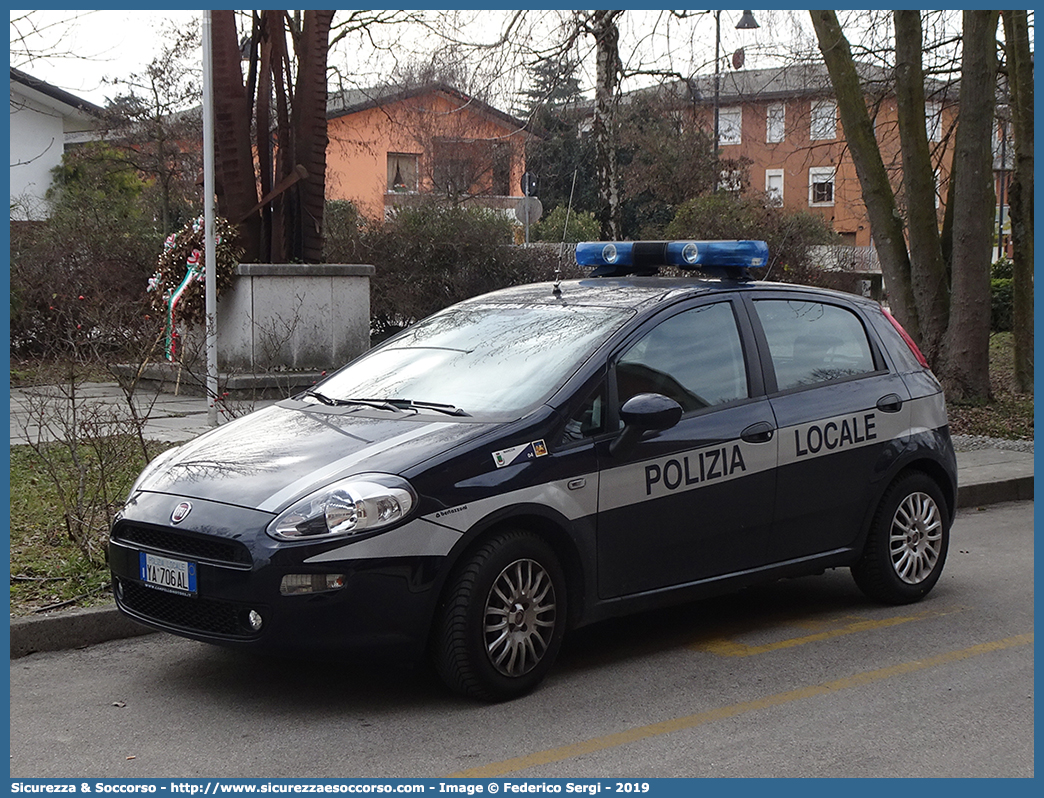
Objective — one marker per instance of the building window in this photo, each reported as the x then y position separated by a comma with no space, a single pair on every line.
730,125
730,180
824,120
402,172
775,121
774,186
933,120
821,186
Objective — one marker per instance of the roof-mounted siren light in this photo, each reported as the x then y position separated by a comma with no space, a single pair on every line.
729,259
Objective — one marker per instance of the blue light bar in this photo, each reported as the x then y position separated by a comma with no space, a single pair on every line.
618,258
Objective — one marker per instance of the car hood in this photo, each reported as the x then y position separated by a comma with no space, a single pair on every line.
271,457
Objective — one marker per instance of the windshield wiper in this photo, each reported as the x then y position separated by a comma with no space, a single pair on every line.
397,405
449,410
380,404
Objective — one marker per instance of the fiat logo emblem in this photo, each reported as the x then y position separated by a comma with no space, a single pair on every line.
180,512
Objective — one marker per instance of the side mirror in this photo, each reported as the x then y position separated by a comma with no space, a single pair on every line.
644,413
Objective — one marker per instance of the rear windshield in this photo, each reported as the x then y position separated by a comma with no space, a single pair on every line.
483,359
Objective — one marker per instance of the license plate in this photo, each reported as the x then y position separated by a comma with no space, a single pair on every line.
162,573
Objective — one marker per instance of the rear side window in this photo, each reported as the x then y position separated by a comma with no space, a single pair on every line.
813,342
695,358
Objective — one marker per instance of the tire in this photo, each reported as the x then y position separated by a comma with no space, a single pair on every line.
503,618
909,537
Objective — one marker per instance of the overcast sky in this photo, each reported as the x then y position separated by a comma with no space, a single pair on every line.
82,49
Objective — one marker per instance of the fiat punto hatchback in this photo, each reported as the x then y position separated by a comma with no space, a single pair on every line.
543,457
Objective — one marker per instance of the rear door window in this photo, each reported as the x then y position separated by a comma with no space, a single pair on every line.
813,342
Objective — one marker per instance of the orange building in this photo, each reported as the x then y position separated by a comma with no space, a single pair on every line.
782,124
388,147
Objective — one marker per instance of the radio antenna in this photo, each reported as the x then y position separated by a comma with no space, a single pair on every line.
561,249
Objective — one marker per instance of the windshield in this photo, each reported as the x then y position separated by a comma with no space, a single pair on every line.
482,359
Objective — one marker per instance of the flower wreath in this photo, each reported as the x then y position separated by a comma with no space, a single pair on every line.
177,287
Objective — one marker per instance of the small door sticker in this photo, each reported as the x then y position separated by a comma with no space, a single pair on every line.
519,454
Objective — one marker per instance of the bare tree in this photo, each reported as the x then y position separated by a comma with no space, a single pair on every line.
1019,69
601,25
285,95
159,127
964,364
286,224
944,305
35,35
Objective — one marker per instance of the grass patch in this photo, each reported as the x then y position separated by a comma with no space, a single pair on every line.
27,373
48,569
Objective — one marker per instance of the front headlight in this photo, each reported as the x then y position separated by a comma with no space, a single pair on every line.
351,506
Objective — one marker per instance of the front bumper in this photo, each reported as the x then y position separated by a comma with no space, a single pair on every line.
384,605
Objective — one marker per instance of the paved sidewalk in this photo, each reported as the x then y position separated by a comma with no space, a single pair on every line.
168,417
985,476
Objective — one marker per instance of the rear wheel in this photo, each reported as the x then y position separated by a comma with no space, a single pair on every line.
906,548
502,623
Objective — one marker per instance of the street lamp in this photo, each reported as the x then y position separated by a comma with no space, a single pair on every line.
746,22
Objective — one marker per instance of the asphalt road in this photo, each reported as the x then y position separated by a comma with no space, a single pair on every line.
800,678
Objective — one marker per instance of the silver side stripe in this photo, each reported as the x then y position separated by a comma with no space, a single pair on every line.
572,503
927,414
330,472
841,433
419,538
435,534
697,468
651,479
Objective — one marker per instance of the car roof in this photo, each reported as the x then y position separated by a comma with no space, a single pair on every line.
637,293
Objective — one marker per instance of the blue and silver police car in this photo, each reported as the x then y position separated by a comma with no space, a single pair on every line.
547,456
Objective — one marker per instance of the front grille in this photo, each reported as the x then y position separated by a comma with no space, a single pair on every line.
198,547
184,612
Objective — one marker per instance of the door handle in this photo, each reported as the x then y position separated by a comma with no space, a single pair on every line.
890,403
760,432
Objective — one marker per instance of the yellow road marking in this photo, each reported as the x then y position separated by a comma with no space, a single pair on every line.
725,647
691,721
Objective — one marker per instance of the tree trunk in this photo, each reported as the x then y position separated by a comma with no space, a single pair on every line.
928,276
885,223
1019,59
607,38
234,163
964,365
310,138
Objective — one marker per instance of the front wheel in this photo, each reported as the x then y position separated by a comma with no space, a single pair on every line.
503,619
906,548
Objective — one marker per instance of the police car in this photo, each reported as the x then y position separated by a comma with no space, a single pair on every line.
547,456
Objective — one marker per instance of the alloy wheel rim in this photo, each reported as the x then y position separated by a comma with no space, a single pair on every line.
916,539
519,618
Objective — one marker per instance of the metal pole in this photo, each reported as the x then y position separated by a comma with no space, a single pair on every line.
210,244
717,90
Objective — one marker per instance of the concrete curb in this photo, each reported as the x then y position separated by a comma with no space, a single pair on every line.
1017,489
79,628
71,629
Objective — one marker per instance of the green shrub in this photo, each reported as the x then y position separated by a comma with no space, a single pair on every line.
788,234
79,278
1001,304
431,255
1002,269
343,231
583,226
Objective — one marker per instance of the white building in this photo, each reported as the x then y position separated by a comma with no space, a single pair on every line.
41,116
